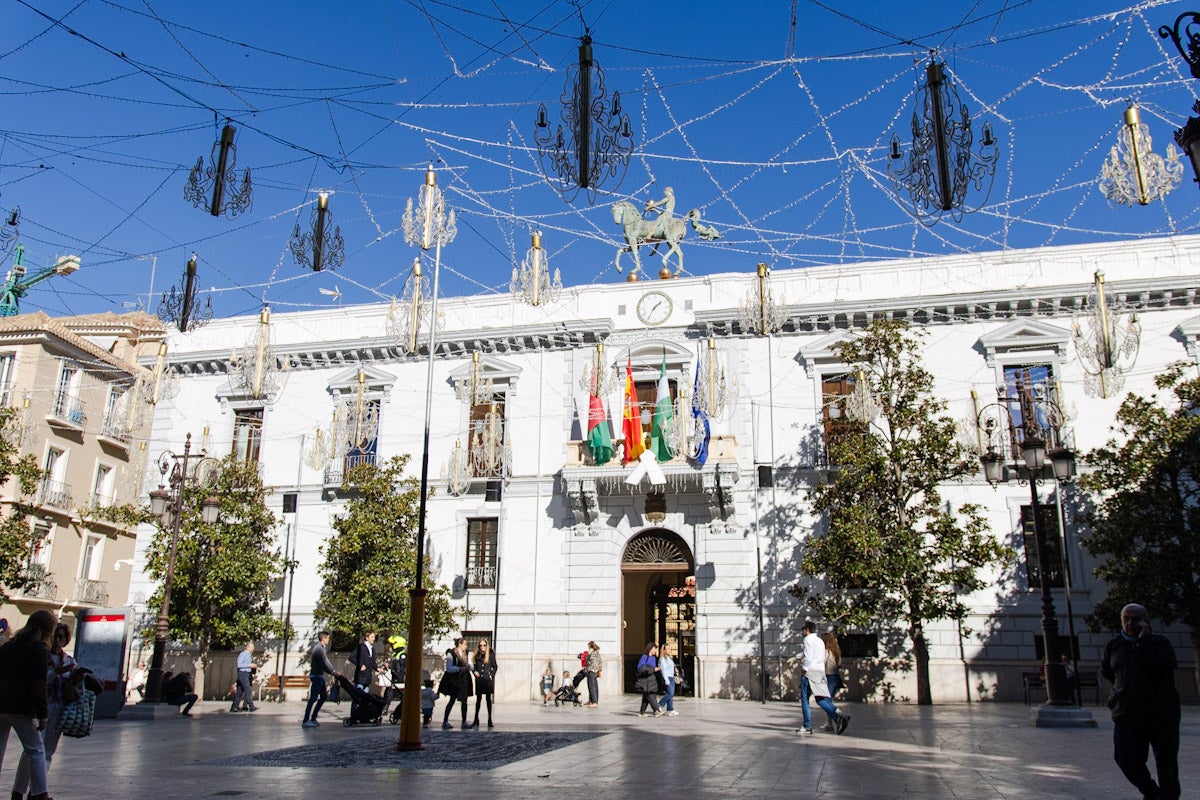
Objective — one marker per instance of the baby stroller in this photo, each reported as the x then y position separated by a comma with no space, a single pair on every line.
566,695
365,707
393,690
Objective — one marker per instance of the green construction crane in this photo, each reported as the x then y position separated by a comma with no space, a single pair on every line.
16,284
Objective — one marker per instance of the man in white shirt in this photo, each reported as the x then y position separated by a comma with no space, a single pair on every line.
245,668
814,683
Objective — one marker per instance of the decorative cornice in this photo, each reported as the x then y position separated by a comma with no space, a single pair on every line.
1048,301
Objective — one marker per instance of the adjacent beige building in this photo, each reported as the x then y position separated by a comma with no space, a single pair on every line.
83,407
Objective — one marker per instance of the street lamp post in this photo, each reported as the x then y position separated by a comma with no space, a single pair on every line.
168,507
427,226
1060,709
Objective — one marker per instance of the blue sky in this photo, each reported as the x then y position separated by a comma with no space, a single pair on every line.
777,133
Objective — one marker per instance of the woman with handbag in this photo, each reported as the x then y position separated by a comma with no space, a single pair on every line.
60,691
592,667
648,673
456,681
23,661
483,667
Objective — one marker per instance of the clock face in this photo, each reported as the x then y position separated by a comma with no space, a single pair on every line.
653,308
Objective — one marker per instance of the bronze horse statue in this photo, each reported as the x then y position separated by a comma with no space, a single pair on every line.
667,229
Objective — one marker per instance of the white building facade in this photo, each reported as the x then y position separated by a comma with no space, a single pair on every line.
549,551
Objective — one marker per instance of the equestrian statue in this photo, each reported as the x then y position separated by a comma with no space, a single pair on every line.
666,229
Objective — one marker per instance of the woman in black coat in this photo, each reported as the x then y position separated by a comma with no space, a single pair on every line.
23,663
456,681
483,667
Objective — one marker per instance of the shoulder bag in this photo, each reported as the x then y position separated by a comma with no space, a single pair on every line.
76,718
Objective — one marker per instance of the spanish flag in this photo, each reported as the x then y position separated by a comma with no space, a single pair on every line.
631,425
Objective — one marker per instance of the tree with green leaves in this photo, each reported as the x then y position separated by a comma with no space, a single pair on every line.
893,553
224,572
1145,521
17,537
370,561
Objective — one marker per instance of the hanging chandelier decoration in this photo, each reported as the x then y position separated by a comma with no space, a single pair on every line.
428,224
256,370
319,452
594,141
207,187
178,306
9,231
410,314
354,423
596,378
532,283
318,249
457,471
714,393
759,312
160,383
1106,344
942,166
474,390
490,451
861,405
1133,173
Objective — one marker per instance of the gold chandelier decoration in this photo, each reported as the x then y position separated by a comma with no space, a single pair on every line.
410,315
256,370
1107,344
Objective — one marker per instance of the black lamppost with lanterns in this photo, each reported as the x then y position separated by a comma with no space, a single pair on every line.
167,505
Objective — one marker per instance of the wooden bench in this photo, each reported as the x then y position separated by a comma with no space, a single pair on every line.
1033,683
271,685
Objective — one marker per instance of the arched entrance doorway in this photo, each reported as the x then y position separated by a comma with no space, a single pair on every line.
658,600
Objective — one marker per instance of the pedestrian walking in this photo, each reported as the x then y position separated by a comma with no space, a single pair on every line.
815,684
456,681
243,700
363,659
647,680
483,668
593,666
23,662
58,674
547,685
319,666
137,682
666,668
833,668
1145,704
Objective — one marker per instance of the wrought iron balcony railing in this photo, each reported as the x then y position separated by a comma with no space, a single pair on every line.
114,428
70,410
55,494
93,593
336,473
42,585
481,577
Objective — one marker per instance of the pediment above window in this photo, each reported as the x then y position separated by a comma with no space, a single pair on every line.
375,383
490,367
647,356
1026,339
823,352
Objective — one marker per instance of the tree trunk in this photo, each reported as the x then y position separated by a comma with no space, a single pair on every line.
921,656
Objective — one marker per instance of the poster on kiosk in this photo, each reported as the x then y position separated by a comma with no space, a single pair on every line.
101,636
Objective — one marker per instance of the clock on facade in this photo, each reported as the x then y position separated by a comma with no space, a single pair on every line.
654,308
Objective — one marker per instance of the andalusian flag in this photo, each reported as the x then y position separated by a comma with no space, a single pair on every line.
664,416
599,442
631,425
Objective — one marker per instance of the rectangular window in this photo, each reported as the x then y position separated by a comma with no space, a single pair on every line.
66,397
1027,388
1049,522
487,438
835,419
362,433
8,363
473,638
481,552
43,539
247,434
102,487
89,561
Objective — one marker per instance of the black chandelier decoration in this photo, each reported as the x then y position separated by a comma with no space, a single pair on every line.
318,249
594,141
178,306
942,165
1188,137
9,230
219,178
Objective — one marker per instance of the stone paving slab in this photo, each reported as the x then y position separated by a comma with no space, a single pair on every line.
713,749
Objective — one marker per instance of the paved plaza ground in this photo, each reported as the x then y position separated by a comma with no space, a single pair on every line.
713,749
